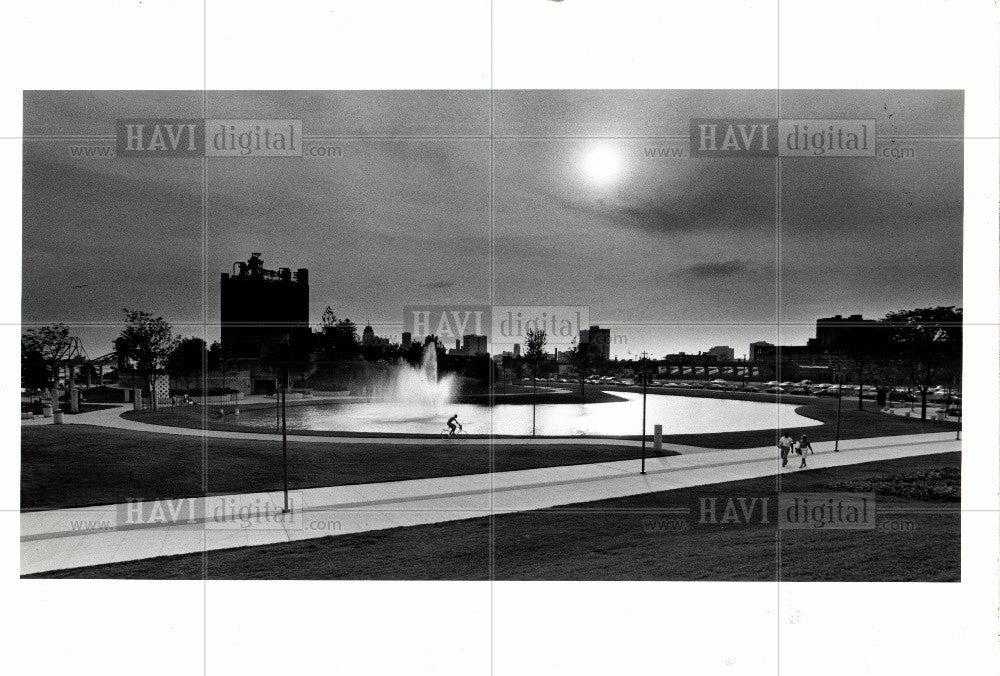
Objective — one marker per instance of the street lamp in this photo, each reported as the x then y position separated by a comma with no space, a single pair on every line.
284,430
643,470
840,386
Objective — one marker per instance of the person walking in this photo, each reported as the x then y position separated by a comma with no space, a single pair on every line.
800,447
785,444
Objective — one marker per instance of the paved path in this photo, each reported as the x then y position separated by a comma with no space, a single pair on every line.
71,538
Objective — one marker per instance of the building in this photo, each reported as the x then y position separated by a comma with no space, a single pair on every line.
471,345
759,349
838,334
517,350
475,345
407,340
369,338
599,339
724,353
700,359
261,309
834,335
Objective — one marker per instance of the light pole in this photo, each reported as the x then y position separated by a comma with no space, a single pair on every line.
534,376
840,386
284,430
643,470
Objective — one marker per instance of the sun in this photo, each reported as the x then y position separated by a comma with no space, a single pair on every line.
601,164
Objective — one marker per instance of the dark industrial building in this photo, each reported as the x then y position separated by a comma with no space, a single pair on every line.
599,339
260,310
835,336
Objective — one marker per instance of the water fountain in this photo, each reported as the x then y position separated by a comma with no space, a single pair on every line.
417,386
413,399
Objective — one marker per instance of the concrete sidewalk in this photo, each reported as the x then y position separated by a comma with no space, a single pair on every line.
70,538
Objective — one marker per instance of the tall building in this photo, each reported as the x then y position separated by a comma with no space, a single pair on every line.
517,349
474,345
723,352
599,339
471,345
407,340
260,308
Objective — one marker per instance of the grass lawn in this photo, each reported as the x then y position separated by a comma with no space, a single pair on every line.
78,465
617,540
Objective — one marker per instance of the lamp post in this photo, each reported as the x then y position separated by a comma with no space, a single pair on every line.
534,376
840,386
284,430
643,470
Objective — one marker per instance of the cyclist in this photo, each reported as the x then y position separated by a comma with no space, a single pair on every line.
453,424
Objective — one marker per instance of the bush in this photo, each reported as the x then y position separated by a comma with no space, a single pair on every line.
942,485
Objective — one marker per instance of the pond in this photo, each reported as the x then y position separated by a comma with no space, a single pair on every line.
677,414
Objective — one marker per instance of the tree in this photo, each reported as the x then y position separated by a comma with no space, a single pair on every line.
43,351
534,344
329,320
927,344
866,356
220,358
346,344
534,352
338,337
148,341
187,360
290,356
582,356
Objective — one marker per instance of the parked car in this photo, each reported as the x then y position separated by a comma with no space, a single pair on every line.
775,390
751,388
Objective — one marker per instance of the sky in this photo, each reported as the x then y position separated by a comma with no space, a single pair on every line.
562,206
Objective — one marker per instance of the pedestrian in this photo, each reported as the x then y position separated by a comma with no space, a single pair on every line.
804,442
785,445
800,448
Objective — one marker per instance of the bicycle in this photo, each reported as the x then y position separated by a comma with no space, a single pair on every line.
446,433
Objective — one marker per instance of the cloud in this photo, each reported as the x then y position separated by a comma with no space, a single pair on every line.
715,269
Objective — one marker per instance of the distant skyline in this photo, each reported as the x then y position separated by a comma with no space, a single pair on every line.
674,254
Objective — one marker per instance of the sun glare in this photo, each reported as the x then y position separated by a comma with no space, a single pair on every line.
601,164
